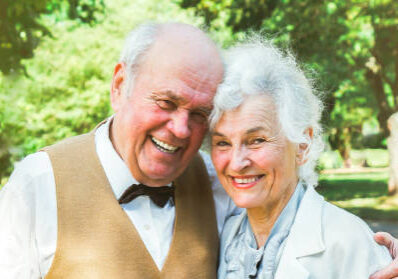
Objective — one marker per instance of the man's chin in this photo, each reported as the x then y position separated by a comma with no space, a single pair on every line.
161,176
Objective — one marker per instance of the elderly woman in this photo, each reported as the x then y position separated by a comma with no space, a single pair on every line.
265,140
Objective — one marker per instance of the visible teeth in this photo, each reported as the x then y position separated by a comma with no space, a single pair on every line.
165,147
245,180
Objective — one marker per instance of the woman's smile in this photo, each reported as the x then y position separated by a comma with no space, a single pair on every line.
245,182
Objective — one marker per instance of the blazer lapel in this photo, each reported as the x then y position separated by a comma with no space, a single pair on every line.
305,237
289,267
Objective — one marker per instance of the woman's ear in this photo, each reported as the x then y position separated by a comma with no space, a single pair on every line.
303,148
118,82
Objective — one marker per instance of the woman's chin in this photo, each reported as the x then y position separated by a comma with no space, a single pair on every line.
244,202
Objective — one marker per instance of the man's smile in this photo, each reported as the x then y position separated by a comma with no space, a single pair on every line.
164,147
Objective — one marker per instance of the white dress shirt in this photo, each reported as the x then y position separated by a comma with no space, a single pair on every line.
28,211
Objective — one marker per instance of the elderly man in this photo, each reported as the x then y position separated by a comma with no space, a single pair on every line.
79,209
72,212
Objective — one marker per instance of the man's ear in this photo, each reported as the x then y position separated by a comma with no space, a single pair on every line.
119,80
303,148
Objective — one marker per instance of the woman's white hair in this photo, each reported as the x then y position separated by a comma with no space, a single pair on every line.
137,44
258,67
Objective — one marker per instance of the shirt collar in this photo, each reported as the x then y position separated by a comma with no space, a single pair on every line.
283,222
115,168
288,214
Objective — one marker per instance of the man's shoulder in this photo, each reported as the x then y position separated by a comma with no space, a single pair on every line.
33,165
71,141
34,173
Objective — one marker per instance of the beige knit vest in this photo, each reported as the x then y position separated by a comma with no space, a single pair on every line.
96,239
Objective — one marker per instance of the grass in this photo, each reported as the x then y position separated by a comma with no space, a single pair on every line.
364,194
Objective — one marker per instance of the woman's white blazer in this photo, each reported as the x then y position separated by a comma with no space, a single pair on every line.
326,242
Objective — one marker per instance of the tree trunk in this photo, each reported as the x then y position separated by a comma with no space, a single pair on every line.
376,81
72,12
344,146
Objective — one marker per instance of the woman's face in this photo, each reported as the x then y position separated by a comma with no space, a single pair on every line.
254,161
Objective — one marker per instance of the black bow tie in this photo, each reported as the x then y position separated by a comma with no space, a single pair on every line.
159,195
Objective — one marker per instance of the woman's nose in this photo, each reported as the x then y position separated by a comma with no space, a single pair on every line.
239,159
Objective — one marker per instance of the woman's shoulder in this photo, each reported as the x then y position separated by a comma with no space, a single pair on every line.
337,224
341,225
331,241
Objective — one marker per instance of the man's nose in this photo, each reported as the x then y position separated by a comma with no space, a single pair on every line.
239,159
179,124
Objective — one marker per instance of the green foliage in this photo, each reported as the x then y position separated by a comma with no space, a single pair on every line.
66,89
374,158
21,28
351,44
330,160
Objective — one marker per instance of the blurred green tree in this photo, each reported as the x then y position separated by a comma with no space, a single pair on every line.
353,45
66,91
21,28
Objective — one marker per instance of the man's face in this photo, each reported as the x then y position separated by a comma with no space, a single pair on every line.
159,126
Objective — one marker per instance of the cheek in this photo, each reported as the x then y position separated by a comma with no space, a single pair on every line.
220,160
198,129
151,119
198,132
264,159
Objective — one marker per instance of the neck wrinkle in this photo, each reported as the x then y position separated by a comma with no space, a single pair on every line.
262,219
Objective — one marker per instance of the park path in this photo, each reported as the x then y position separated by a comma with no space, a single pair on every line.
384,226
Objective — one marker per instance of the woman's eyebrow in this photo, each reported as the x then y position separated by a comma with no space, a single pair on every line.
217,134
255,129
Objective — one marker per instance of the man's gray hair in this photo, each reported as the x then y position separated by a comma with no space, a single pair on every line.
258,67
137,44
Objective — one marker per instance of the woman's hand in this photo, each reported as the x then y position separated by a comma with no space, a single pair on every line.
390,271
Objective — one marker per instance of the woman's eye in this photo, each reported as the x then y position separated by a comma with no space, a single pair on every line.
220,143
257,141
166,104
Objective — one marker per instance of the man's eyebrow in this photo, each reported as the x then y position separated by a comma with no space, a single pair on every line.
170,94
205,110
167,93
